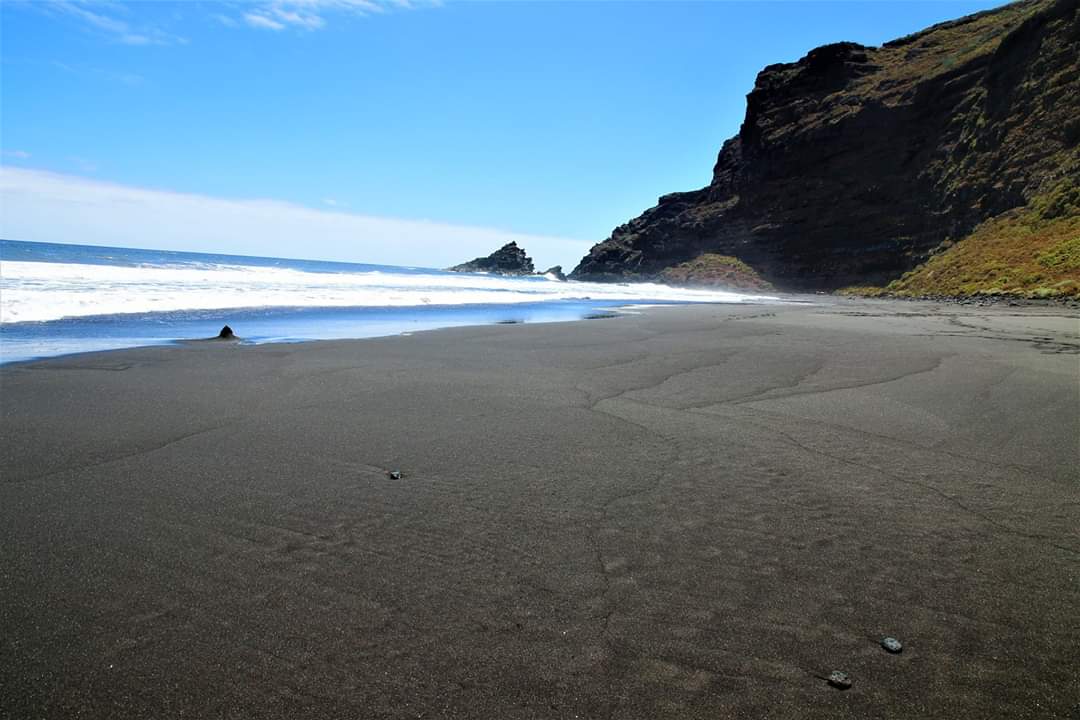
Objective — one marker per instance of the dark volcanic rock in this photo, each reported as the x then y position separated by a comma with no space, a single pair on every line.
556,272
854,163
839,679
226,333
507,260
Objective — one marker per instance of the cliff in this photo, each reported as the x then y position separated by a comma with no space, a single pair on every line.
856,164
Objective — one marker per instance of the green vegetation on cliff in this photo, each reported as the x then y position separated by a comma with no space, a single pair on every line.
715,270
1015,254
1032,252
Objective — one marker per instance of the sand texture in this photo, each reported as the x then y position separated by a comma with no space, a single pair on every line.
694,512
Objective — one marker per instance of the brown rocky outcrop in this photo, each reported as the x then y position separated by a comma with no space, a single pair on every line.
853,164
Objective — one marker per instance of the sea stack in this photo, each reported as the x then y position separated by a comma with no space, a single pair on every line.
556,272
507,260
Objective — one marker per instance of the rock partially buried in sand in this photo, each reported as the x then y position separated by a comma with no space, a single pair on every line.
839,679
892,645
226,333
394,474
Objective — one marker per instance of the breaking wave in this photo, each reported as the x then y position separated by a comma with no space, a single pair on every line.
42,291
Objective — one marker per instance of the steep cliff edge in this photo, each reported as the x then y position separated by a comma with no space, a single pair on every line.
855,164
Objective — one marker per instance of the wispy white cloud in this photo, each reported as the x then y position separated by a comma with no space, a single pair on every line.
313,14
106,18
126,78
263,21
308,21
225,20
94,19
50,207
17,154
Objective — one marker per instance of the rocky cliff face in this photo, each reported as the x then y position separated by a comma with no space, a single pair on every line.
855,163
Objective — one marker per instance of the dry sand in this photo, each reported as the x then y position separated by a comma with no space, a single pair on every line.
695,512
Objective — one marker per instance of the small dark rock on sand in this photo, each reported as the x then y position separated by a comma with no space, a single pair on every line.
892,645
226,333
839,679
394,474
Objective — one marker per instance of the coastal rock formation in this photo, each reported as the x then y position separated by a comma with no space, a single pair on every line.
855,164
507,260
710,269
556,272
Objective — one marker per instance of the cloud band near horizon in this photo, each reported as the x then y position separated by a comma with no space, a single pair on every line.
41,206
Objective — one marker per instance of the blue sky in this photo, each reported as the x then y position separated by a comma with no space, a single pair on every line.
559,120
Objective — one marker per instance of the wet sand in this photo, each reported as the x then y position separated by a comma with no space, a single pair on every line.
694,512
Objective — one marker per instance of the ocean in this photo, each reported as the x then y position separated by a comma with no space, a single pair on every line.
57,299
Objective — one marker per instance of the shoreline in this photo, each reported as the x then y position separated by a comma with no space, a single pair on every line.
369,322
1066,306
698,511
1065,310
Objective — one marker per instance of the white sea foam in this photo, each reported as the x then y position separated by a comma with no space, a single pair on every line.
39,291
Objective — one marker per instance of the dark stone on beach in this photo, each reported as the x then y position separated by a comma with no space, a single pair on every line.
507,260
226,333
892,645
839,679
394,474
556,272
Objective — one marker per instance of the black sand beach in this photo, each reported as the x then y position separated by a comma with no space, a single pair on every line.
695,512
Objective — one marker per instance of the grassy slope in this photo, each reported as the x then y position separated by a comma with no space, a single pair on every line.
715,270
1030,252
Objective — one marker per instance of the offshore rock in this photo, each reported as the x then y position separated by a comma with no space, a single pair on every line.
507,260
555,272
855,163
